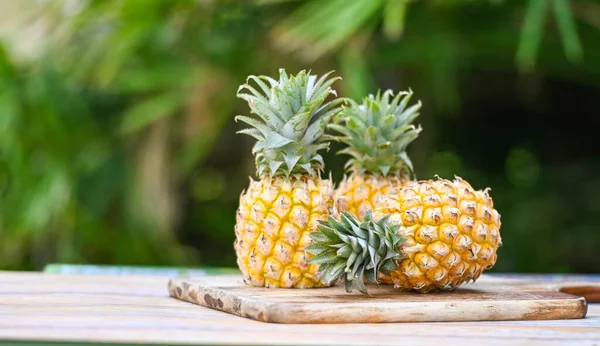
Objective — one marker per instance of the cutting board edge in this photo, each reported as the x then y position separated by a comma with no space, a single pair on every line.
221,300
576,308
571,307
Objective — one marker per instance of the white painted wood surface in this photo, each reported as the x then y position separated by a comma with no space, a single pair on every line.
44,307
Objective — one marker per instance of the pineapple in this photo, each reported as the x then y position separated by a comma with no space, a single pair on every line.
376,133
277,213
449,234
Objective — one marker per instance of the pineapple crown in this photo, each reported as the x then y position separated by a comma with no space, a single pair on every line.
351,250
377,133
293,117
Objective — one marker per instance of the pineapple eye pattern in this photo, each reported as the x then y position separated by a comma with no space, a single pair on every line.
452,234
274,255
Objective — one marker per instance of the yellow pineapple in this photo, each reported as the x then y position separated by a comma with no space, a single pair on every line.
447,234
278,212
376,133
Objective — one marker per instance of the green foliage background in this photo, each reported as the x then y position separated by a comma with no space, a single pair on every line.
118,146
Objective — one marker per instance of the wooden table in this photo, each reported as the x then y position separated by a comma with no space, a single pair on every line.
45,307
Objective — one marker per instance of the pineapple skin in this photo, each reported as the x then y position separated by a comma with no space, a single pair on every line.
273,224
452,234
359,193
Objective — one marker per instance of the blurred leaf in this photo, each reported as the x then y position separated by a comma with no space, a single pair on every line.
9,108
319,27
568,32
394,16
9,100
531,33
74,189
48,201
442,68
155,78
122,44
200,147
152,109
270,2
358,80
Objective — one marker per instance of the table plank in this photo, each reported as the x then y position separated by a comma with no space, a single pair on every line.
49,307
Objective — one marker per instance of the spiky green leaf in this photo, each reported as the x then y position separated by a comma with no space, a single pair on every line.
291,117
360,248
327,256
377,133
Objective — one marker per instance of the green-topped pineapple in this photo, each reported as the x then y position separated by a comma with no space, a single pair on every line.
278,212
376,133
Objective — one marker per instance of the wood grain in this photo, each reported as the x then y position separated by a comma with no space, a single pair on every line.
482,301
104,309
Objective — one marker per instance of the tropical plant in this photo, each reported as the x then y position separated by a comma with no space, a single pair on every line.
116,117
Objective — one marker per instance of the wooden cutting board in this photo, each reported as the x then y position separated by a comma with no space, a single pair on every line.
489,299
